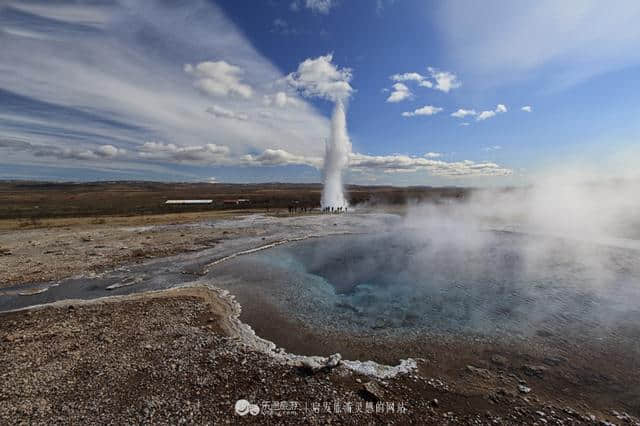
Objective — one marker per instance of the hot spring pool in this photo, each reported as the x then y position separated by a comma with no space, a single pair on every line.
411,282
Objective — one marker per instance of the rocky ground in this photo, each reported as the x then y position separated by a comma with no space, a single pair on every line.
174,357
58,248
165,358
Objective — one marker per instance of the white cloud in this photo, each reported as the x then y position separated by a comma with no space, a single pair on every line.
422,80
317,6
219,78
400,93
461,113
445,80
465,124
433,155
527,108
320,6
222,112
89,153
405,163
485,115
440,80
425,110
280,157
408,76
320,77
281,99
492,148
206,154
109,151
500,109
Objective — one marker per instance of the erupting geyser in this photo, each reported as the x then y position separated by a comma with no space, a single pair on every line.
319,77
336,158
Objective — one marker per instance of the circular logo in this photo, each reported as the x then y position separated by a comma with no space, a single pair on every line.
254,410
242,407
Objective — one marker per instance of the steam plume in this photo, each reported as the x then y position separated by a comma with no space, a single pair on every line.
336,159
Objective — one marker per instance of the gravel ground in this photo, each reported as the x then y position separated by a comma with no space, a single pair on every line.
167,358
71,247
173,357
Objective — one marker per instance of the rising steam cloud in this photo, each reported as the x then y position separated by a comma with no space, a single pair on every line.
319,77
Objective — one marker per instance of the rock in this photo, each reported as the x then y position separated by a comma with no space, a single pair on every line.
333,360
479,371
10,338
317,363
534,370
499,360
372,391
524,389
553,361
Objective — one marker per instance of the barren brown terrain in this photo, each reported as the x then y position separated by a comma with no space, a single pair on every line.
171,357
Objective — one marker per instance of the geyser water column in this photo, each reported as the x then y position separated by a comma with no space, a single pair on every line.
336,158
319,77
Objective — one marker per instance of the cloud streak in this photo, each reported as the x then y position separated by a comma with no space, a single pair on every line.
125,92
405,163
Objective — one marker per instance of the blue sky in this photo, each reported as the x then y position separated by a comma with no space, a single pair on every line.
215,90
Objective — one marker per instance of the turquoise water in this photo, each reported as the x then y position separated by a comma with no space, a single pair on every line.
486,283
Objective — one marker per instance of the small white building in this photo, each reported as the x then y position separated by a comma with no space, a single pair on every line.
188,202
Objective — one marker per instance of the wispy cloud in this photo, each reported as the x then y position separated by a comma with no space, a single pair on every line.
123,93
483,115
569,40
399,93
317,6
222,112
527,108
404,164
443,81
425,110
461,113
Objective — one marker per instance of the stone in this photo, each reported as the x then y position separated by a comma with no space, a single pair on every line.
534,370
479,371
10,338
553,361
333,360
317,363
372,391
499,360
524,389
